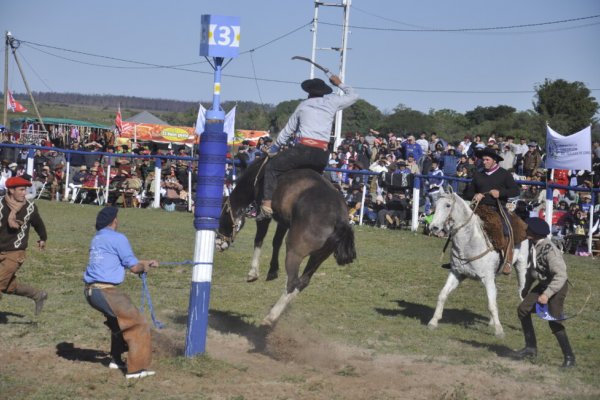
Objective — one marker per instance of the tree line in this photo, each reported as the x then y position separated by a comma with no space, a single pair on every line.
566,106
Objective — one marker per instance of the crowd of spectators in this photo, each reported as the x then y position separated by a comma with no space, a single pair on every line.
131,181
394,161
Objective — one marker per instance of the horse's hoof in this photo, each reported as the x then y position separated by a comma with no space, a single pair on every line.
432,326
272,276
251,278
500,335
266,323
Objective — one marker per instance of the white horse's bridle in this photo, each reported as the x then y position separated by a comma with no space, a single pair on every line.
453,232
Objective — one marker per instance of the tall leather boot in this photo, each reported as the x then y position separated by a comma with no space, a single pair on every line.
38,296
530,349
565,346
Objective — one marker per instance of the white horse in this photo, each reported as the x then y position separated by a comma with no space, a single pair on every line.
472,254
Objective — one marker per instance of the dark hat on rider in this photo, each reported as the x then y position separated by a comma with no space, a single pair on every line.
105,217
316,87
489,153
537,226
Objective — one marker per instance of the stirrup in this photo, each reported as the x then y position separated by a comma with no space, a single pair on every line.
265,213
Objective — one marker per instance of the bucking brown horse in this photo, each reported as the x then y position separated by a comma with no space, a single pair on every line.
309,209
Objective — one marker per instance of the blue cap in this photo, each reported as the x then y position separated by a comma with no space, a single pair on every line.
538,226
105,217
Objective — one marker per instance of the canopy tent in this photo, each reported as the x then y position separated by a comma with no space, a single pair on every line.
146,117
157,133
17,123
251,135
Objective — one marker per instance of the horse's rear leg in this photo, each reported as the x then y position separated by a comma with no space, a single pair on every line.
490,288
277,241
261,231
292,265
451,283
314,262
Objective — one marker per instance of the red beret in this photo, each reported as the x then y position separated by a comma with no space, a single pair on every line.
17,181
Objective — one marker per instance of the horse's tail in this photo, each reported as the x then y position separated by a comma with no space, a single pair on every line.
342,240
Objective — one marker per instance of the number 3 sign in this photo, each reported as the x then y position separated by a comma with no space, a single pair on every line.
220,36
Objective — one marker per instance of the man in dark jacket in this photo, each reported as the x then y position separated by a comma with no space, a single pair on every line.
548,268
17,215
492,188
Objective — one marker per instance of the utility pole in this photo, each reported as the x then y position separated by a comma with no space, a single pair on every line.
5,120
345,4
14,45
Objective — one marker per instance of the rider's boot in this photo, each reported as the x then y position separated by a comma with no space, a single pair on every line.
565,346
266,212
507,262
530,349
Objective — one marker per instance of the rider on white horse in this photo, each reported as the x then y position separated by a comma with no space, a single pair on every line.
491,188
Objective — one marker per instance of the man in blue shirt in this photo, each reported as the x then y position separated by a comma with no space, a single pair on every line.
110,256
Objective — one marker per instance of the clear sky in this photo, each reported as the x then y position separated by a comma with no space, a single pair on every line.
382,63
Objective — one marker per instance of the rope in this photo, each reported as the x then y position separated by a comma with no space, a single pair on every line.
511,238
146,298
185,262
542,309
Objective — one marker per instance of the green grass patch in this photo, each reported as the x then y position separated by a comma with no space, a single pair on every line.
381,302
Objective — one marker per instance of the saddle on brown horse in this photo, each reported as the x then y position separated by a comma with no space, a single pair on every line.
494,229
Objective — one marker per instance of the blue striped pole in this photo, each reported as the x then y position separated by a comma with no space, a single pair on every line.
209,197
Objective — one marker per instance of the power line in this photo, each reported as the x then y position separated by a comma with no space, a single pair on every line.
480,29
256,80
36,74
146,65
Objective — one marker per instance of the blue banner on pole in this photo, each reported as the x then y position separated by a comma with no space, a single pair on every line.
220,36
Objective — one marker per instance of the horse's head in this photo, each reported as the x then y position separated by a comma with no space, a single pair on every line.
447,212
229,225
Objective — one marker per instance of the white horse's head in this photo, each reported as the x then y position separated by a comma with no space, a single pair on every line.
449,212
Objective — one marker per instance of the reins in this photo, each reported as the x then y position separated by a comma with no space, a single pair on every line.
227,207
262,165
455,230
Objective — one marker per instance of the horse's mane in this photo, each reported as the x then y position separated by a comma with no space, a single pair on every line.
250,173
464,203
247,186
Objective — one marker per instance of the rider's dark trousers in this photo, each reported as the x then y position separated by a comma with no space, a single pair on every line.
298,157
555,305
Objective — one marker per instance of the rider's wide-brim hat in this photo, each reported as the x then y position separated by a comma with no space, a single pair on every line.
489,153
538,226
316,87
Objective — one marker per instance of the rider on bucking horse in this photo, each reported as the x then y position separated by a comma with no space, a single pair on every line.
490,189
311,124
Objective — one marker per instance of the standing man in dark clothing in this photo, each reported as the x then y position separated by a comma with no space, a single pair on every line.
77,161
492,188
17,215
311,124
547,266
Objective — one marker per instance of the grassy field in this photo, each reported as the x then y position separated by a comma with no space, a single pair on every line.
380,305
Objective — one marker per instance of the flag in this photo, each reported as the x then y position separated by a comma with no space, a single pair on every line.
569,152
119,120
201,120
14,105
229,125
